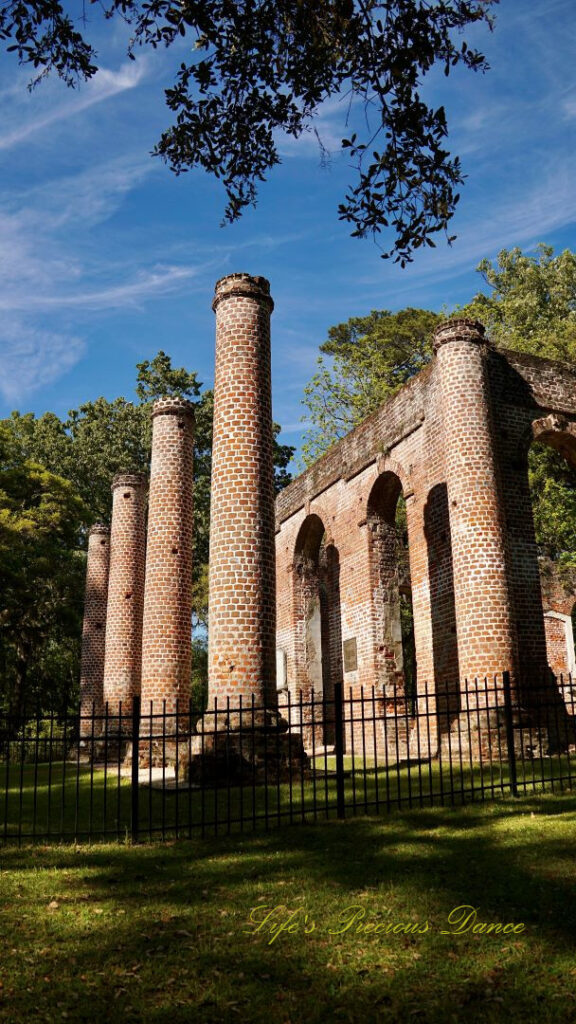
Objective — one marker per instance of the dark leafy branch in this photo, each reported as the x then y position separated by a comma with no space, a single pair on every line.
264,67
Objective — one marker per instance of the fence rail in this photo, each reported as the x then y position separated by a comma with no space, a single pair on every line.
144,772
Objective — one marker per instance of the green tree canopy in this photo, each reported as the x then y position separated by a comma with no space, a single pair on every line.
530,307
369,359
260,67
42,573
55,481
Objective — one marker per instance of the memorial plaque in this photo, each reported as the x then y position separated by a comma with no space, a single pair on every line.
281,677
350,655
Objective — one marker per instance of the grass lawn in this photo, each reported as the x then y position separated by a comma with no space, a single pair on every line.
49,802
163,932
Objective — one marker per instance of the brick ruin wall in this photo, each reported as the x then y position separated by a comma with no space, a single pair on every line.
472,617
454,443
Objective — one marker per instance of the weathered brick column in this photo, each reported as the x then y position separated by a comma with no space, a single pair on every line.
242,608
94,629
166,641
123,661
484,626
242,737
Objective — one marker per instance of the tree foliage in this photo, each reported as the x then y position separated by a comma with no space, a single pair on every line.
532,303
553,488
369,359
42,572
264,67
531,307
55,479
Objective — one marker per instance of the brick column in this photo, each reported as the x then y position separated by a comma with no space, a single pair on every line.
482,604
242,605
166,647
94,628
123,662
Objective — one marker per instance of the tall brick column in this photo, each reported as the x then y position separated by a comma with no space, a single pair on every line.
94,628
166,647
123,662
484,626
242,606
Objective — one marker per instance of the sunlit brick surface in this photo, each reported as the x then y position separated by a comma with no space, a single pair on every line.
123,661
242,568
94,628
166,650
454,440
481,592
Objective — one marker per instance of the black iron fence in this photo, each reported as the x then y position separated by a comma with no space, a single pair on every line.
141,772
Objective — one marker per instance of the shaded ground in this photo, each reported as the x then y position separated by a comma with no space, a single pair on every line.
163,933
50,802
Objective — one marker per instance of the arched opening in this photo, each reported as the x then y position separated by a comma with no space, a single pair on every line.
445,664
318,630
391,590
552,487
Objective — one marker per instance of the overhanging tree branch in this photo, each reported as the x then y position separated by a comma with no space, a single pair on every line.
263,67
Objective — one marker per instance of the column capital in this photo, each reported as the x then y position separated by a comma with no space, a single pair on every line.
129,480
459,329
173,405
98,528
244,286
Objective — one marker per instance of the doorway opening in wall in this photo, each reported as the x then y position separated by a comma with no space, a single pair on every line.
393,619
406,609
552,481
318,621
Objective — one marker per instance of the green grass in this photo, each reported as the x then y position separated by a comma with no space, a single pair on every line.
74,802
162,933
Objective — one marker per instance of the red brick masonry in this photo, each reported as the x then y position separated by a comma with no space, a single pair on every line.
242,565
123,660
166,648
454,441
94,629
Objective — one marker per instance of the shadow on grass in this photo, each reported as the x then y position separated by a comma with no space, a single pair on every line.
181,912
75,803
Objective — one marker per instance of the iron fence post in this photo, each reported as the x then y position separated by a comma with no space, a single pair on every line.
510,733
134,802
339,750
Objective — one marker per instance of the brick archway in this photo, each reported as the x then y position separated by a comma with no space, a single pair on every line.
555,430
385,573
317,623
456,437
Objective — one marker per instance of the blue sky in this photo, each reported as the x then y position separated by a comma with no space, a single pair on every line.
106,257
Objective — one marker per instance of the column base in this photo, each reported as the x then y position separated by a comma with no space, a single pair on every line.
485,738
111,751
243,748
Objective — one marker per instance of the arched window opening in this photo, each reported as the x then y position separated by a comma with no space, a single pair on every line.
391,591
552,483
317,616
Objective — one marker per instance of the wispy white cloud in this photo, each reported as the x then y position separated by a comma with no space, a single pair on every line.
159,280
33,358
49,268
87,198
568,108
103,86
